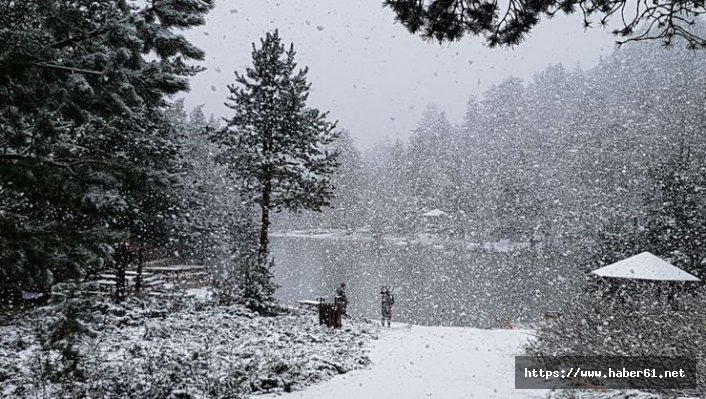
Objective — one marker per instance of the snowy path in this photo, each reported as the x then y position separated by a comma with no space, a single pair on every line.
431,362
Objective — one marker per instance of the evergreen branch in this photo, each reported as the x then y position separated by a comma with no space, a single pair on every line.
95,32
67,164
88,35
68,69
449,20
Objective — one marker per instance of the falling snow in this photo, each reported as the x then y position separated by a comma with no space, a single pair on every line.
199,201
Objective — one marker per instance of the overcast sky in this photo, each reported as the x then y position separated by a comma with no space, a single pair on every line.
371,74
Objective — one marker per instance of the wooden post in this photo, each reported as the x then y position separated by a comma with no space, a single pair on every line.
321,311
121,260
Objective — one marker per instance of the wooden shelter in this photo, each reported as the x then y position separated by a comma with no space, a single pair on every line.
435,213
644,278
645,266
434,220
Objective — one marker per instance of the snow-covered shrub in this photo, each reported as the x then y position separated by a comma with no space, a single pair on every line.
594,327
579,394
249,282
173,349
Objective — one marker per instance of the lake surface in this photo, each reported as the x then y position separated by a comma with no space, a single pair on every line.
439,284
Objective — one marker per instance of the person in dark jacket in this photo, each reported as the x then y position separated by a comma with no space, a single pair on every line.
386,305
342,298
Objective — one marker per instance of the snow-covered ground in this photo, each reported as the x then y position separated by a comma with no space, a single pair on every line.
186,351
201,351
432,362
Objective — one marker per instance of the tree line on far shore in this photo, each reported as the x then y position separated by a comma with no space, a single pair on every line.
600,164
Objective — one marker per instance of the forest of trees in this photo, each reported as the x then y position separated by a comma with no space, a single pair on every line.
101,167
601,162
88,159
103,170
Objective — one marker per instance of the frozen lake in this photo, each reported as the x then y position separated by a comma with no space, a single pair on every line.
433,284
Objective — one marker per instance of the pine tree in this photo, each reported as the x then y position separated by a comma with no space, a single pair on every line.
676,222
348,183
216,221
86,154
430,162
451,20
274,141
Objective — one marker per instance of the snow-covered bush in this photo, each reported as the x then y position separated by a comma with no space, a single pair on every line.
635,328
250,282
630,394
176,349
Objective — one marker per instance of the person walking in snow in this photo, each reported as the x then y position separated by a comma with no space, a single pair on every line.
341,298
386,305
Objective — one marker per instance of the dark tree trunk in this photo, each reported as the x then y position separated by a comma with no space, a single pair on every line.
121,261
203,251
138,278
265,222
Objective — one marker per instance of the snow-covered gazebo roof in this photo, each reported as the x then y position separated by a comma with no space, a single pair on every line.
645,266
434,213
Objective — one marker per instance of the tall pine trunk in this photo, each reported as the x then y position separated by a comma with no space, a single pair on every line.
265,221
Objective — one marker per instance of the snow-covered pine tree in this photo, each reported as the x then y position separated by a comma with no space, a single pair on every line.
430,161
279,148
217,218
675,226
274,141
248,280
85,152
348,181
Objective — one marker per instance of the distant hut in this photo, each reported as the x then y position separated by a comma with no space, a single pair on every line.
435,220
435,214
643,278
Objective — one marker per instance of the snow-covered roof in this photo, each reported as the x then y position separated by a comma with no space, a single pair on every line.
645,266
435,213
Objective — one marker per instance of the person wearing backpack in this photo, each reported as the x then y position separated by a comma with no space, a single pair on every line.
386,305
341,298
